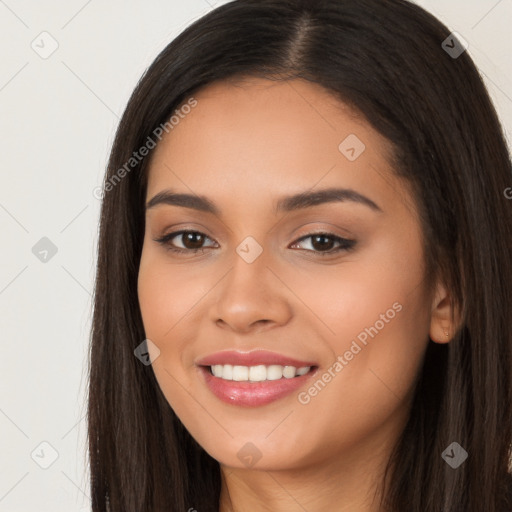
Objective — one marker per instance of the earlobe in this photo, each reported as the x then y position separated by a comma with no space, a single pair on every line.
442,314
437,337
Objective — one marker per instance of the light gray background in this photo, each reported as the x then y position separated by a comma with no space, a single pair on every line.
57,122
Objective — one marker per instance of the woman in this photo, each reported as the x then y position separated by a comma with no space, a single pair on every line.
302,295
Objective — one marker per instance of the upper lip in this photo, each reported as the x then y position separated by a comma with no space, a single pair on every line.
253,358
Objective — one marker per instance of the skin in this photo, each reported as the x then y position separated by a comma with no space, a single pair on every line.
243,146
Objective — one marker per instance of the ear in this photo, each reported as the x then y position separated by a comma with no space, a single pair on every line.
442,326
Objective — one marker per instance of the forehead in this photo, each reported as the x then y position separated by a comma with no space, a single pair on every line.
246,139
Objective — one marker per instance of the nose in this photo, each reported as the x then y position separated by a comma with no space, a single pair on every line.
251,298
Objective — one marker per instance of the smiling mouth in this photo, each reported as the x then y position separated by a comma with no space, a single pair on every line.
257,373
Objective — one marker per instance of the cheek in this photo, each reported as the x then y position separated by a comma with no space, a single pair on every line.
163,302
165,297
375,297
363,391
167,293
378,318
173,298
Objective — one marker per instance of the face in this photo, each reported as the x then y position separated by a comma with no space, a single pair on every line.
334,284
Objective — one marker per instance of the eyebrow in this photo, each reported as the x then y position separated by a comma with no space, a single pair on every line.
284,204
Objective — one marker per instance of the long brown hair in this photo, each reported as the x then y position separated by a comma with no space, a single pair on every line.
386,58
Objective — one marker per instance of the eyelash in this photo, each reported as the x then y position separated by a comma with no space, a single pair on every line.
346,244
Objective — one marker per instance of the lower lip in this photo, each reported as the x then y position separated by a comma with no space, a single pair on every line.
252,394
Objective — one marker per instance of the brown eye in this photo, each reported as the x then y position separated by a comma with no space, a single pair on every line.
322,243
192,241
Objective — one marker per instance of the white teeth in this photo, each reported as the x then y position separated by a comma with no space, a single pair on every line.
274,372
303,370
227,371
240,373
289,372
217,370
257,373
